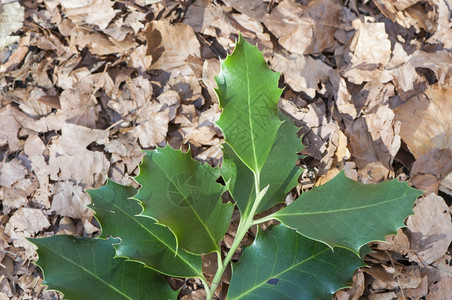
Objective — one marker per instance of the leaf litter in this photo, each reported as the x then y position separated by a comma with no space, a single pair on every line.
85,86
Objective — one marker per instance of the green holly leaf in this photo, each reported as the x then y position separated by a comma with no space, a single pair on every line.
248,93
141,239
182,193
85,268
279,171
347,213
281,264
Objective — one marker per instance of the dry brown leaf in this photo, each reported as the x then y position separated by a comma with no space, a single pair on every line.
129,94
370,51
356,291
94,12
440,62
302,73
443,33
70,200
9,128
432,169
409,13
384,130
253,31
26,222
201,16
71,160
170,45
304,29
139,60
344,102
338,146
34,148
17,56
11,172
398,243
407,80
254,9
426,121
66,226
152,130
126,155
364,152
11,20
210,68
430,229
29,101
152,121
441,290
202,135
101,44
79,103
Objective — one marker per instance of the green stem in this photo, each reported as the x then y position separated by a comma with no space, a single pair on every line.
264,219
244,225
241,231
205,284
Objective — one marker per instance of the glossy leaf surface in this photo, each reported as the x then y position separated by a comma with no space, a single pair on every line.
141,238
279,171
248,93
183,194
84,268
347,213
281,264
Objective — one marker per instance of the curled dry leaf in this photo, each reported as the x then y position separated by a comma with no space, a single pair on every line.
70,200
12,172
202,17
153,118
409,13
441,290
384,130
365,153
370,51
302,73
101,44
15,186
8,128
79,103
430,229
73,161
304,29
35,150
170,45
125,157
23,223
443,33
426,121
407,80
431,171
336,154
94,12
11,19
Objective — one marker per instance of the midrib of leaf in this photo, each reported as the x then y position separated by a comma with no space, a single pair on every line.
281,273
160,240
189,204
338,210
249,114
90,273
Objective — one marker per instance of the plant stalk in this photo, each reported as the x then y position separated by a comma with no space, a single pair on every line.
244,225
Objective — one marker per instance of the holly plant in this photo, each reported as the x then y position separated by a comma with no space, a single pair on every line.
178,215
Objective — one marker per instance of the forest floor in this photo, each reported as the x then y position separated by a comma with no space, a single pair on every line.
85,85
